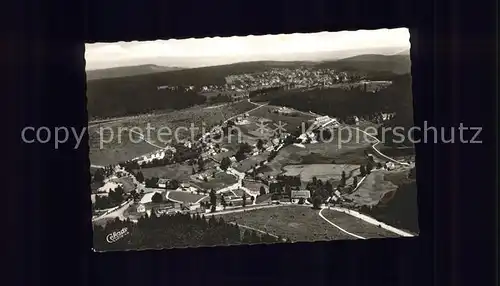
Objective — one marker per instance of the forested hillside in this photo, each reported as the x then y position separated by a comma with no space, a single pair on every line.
338,102
180,230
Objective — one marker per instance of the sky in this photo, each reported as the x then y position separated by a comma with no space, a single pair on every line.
216,51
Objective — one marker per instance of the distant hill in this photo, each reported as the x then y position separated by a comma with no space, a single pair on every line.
403,53
113,95
397,64
127,71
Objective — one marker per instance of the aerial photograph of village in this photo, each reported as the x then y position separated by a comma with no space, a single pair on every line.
251,140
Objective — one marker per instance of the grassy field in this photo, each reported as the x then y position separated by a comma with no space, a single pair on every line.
198,117
372,189
323,172
184,196
220,181
294,222
181,172
251,161
292,122
356,226
118,150
319,153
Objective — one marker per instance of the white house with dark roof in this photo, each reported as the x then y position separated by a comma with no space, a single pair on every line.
162,183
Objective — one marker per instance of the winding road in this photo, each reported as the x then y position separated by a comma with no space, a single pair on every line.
338,227
241,176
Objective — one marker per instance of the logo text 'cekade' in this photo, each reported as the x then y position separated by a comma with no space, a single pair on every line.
116,235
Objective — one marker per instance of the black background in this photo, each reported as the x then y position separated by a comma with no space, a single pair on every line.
47,207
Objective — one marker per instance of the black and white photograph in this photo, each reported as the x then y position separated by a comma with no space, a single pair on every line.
251,140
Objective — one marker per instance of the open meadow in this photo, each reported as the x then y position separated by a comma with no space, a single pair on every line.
318,153
185,197
373,189
355,225
290,122
221,180
178,171
178,122
251,162
294,222
322,172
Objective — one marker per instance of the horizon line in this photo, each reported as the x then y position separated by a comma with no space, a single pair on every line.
404,49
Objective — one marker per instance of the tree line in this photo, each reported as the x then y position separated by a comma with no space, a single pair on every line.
172,231
344,103
117,97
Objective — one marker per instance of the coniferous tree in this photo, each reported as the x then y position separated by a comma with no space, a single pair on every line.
343,179
329,188
317,202
362,170
98,176
213,197
225,163
262,190
223,202
260,144
369,167
139,177
244,197
157,198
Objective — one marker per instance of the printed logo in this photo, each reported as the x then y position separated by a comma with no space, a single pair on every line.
116,235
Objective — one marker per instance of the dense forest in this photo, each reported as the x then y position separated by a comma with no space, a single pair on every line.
341,103
120,97
180,230
395,64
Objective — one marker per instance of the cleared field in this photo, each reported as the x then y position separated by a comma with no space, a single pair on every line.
319,153
356,226
372,189
294,222
121,150
184,196
118,150
292,122
220,181
323,172
251,161
180,172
